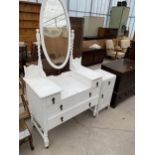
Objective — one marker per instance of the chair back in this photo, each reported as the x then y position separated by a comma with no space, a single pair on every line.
109,44
125,44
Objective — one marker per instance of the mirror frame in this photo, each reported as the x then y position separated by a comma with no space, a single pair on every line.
42,36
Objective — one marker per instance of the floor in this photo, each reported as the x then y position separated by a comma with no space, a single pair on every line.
112,132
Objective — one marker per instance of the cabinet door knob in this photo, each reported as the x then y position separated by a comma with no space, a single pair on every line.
53,100
97,84
102,95
89,104
61,107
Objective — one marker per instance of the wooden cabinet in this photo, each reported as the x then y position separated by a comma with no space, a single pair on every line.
107,33
124,69
92,56
77,25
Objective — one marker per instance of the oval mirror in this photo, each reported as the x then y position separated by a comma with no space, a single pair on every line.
55,32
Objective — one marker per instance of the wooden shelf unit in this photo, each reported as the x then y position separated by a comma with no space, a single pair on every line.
28,22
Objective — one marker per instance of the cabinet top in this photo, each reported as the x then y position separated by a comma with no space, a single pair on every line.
120,66
43,87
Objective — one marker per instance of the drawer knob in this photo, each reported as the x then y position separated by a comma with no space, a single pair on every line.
62,119
96,84
102,95
53,100
61,107
109,83
89,104
90,94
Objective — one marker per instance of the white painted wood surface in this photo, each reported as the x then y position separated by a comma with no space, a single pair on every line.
56,99
106,90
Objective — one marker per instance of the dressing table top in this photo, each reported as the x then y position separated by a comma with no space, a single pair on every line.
88,73
70,85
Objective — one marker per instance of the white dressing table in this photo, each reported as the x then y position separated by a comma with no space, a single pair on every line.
56,99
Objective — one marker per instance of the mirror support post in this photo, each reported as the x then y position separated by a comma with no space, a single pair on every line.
39,53
71,49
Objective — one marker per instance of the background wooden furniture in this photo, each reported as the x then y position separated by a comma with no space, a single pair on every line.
130,54
124,69
107,33
22,57
24,132
77,24
28,22
34,53
92,56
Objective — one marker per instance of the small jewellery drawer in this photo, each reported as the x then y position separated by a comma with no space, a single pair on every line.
96,83
94,92
53,99
71,112
108,84
104,99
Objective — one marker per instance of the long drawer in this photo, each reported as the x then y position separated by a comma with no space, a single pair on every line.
65,115
57,107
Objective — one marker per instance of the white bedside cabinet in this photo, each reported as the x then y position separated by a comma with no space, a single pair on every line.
107,86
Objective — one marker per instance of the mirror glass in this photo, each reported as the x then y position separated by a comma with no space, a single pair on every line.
55,32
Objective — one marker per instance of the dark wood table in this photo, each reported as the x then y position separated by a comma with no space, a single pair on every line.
124,69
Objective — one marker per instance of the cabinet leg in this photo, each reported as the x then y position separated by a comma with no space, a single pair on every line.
95,111
46,140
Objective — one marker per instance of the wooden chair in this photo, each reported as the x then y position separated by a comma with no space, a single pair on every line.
24,132
111,51
125,43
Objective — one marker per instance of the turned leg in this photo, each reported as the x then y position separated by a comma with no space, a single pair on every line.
95,111
46,140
